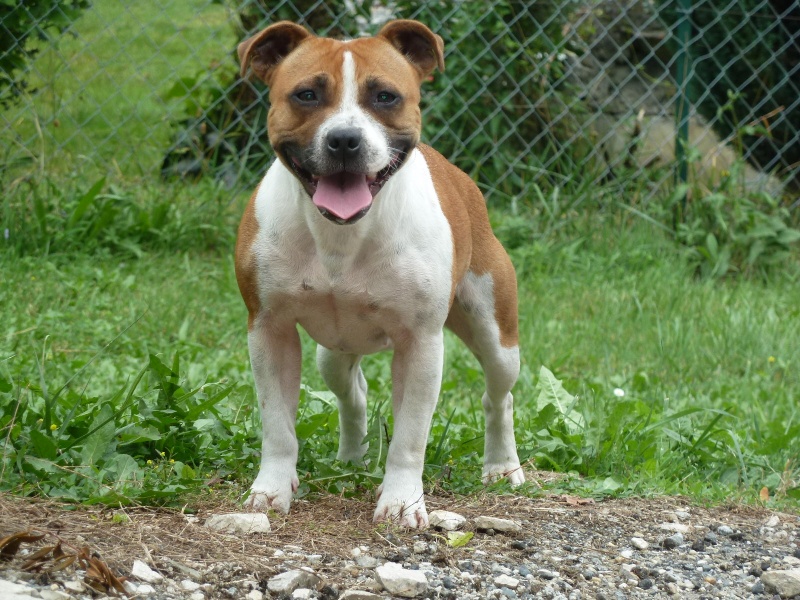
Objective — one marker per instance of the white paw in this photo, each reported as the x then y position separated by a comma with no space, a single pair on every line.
496,472
353,454
272,493
403,509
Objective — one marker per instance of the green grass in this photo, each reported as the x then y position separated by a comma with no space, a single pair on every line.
124,374
105,86
121,357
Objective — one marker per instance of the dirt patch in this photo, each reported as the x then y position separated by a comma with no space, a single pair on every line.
583,546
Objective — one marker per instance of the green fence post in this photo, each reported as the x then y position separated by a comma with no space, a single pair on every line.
682,76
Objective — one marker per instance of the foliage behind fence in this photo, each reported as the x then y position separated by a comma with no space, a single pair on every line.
577,96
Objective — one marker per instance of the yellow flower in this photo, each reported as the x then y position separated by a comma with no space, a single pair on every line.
53,427
771,359
149,462
163,454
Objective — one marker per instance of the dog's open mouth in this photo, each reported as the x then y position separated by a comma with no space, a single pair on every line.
345,197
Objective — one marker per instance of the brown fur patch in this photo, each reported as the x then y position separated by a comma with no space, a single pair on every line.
475,246
245,263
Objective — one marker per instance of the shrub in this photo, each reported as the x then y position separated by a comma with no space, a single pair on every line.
21,23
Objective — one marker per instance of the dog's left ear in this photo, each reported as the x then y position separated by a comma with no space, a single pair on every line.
420,46
266,49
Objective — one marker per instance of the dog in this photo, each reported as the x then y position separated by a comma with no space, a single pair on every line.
370,241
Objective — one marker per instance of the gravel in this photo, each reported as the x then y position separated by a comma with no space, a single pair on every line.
328,549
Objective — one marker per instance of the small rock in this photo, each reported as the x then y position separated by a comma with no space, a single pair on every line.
757,588
724,530
449,583
626,553
784,583
699,546
773,521
144,573
189,585
359,595
639,543
710,538
646,583
502,525
74,586
420,547
547,574
239,523
444,519
401,582
673,589
198,596
54,595
254,595
366,561
288,582
672,541
301,594
682,515
679,527
145,590
506,581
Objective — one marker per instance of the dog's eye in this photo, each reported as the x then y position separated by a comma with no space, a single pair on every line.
385,98
306,96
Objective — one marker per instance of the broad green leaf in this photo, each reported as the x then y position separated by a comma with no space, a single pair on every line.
44,445
96,445
456,539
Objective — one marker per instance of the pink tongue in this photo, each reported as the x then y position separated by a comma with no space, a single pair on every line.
343,194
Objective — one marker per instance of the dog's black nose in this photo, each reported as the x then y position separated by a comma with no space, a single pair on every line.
344,142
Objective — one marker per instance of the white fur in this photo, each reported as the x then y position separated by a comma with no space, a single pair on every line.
501,368
350,114
356,289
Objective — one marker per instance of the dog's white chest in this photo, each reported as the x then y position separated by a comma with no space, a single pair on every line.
356,288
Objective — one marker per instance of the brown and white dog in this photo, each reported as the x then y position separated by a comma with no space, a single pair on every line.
370,241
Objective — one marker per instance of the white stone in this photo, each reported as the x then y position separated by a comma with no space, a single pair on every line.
639,543
301,594
239,523
359,595
773,521
254,595
189,586
288,582
626,553
52,595
145,590
784,583
679,527
401,582
444,519
74,586
502,525
506,581
366,561
144,573
197,596
12,590
129,586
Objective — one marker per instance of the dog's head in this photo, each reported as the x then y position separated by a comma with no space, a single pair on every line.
344,114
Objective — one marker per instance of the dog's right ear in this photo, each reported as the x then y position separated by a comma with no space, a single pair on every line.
266,49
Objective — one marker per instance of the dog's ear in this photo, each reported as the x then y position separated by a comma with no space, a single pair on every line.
420,46
266,49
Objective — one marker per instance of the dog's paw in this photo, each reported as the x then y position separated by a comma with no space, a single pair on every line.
405,510
272,493
512,472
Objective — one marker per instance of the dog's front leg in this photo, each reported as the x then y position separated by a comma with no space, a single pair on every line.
275,358
416,379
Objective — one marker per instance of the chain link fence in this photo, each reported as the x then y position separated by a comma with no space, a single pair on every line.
586,99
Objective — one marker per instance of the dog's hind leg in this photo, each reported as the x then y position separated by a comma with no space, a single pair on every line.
343,376
493,341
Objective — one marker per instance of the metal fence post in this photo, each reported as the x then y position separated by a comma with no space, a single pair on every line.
683,64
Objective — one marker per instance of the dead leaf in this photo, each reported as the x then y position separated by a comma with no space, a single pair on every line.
37,559
9,545
764,494
576,500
